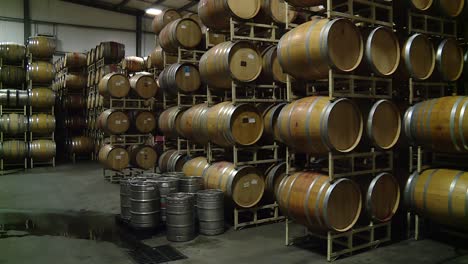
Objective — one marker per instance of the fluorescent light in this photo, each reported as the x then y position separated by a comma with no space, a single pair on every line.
153,11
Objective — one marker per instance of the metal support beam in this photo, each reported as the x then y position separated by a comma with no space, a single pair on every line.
26,21
139,35
122,4
107,6
187,6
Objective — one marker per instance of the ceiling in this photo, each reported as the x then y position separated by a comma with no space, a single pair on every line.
138,7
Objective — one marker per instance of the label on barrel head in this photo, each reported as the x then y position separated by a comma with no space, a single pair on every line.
183,27
165,184
251,56
246,184
117,122
254,182
118,157
252,120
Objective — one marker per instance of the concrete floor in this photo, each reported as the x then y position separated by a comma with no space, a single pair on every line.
55,197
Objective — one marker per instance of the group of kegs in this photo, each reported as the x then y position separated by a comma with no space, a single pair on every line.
179,202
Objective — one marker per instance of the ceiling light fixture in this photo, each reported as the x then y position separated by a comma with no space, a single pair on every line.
153,11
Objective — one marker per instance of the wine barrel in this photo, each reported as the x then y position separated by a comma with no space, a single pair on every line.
133,64
382,51
42,97
74,102
439,195
216,14
169,120
41,47
180,77
164,18
144,85
172,161
271,68
195,167
81,145
142,121
449,60
319,126
244,186
275,11
13,150
273,177
383,124
305,3
12,76
421,5
181,33
14,98
439,124
192,124
230,61
42,150
311,49
42,123
12,52
41,72
75,123
13,124
75,81
115,85
104,70
312,200
211,38
157,57
270,118
230,124
113,122
381,197
418,57
142,156
74,60
111,51
450,8
113,157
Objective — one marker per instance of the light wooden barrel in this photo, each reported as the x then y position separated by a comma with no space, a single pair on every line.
41,72
156,59
168,122
192,124
75,82
90,57
439,124
311,49
13,150
212,38
74,60
305,3
383,124
143,121
113,157
143,156
113,122
144,85
13,124
195,167
381,197
12,76
418,57
41,47
312,200
172,161
75,123
112,51
230,124
12,52
42,123
42,97
161,20
180,77
275,11
439,195
81,145
382,51
42,150
273,177
216,14
14,98
75,102
270,115
451,8
183,32
133,64
103,71
316,125
449,60
271,68
115,85
230,61
243,186
421,5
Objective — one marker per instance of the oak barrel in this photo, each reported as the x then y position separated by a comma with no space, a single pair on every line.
13,150
418,57
312,200
157,57
451,8
216,14
42,150
42,123
271,68
75,81
13,124
75,123
305,3
42,97
115,85
133,64
243,186
144,85
195,167
275,11
317,125
41,72
74,60
143,156
273,177
382,51
439,195
113,122
12,76
422,5
164,18
169,120
270,118
230,61
12,52
180,77
230,124
192,124
14,98
181,33
449,60
111,51
142,121
381,197
113,157
74,102
103,71
81,145
172,161
311,49
383,124
41,47
439,124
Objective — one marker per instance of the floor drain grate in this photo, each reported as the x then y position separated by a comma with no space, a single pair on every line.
144,254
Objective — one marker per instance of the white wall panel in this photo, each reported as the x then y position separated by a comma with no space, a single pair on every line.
11,8
11,31
148,43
